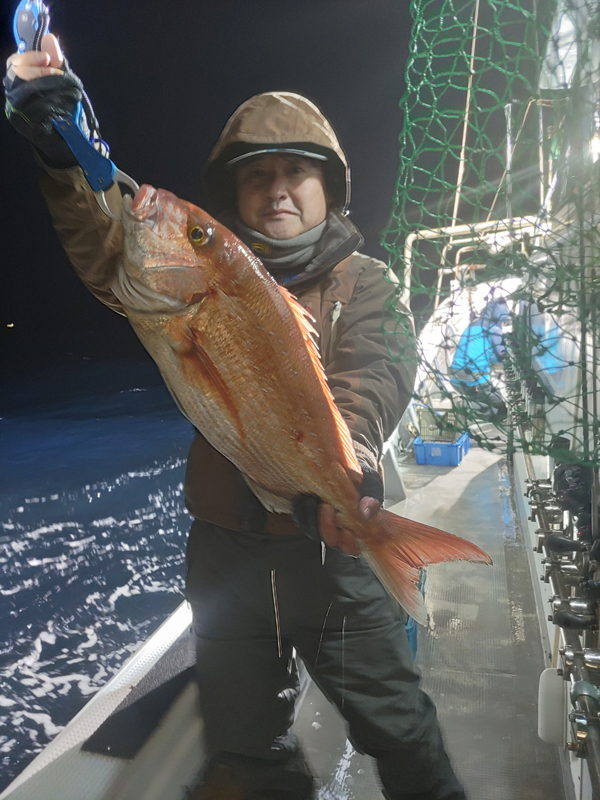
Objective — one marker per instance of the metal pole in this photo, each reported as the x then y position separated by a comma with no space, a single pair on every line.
541,161
523,224
461,164
509,152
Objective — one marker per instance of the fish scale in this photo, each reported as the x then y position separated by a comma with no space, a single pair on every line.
258,378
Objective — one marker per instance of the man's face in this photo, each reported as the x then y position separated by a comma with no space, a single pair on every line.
281,196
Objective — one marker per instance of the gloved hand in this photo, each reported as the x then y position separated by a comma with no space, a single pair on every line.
317,520
39,85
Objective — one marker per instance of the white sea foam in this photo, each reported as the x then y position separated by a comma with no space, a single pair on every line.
6,702
121,591
54,528
104,523
60,561
45,721
81,543
26,584
91,640
48,636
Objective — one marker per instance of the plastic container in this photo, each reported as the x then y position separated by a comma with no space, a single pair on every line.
442,454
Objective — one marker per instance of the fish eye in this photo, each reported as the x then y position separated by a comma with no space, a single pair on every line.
198,236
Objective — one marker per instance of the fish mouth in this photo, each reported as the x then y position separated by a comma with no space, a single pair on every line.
144,201
150,219
143,206
154,209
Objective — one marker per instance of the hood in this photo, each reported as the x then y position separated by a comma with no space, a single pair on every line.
495,313
275,120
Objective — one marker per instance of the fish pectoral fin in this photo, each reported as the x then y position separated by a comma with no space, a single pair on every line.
272,502
201,371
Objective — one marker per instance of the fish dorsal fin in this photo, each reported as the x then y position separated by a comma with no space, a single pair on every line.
305,323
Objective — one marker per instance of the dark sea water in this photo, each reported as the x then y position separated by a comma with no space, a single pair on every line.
92,536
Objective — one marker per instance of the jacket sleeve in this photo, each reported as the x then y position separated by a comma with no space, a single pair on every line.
373,367
92,241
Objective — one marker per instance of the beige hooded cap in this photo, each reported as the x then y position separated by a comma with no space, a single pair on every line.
275,121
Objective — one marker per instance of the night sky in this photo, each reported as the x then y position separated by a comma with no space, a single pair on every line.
163,79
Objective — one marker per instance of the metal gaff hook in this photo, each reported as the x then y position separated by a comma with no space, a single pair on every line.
123,179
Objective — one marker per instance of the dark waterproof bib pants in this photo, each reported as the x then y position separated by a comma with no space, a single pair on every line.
351,638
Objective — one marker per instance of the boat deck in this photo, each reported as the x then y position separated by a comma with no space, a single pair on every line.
481,657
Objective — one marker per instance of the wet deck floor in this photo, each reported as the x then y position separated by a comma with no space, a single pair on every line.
480,659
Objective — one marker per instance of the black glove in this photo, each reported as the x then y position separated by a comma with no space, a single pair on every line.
306,506
31,105
372,483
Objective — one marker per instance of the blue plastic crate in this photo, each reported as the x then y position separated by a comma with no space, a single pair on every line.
445,454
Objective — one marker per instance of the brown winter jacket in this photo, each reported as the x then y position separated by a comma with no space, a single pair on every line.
371,378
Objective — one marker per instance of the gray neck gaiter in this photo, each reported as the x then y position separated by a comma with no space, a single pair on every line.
280,254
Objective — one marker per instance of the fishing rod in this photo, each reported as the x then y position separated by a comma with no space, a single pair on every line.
31,23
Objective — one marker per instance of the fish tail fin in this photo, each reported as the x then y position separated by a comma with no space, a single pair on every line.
403,548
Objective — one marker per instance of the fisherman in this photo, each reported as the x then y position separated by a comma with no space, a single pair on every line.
279,179
481,345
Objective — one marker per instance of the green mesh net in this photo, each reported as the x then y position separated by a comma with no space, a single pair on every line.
494,231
